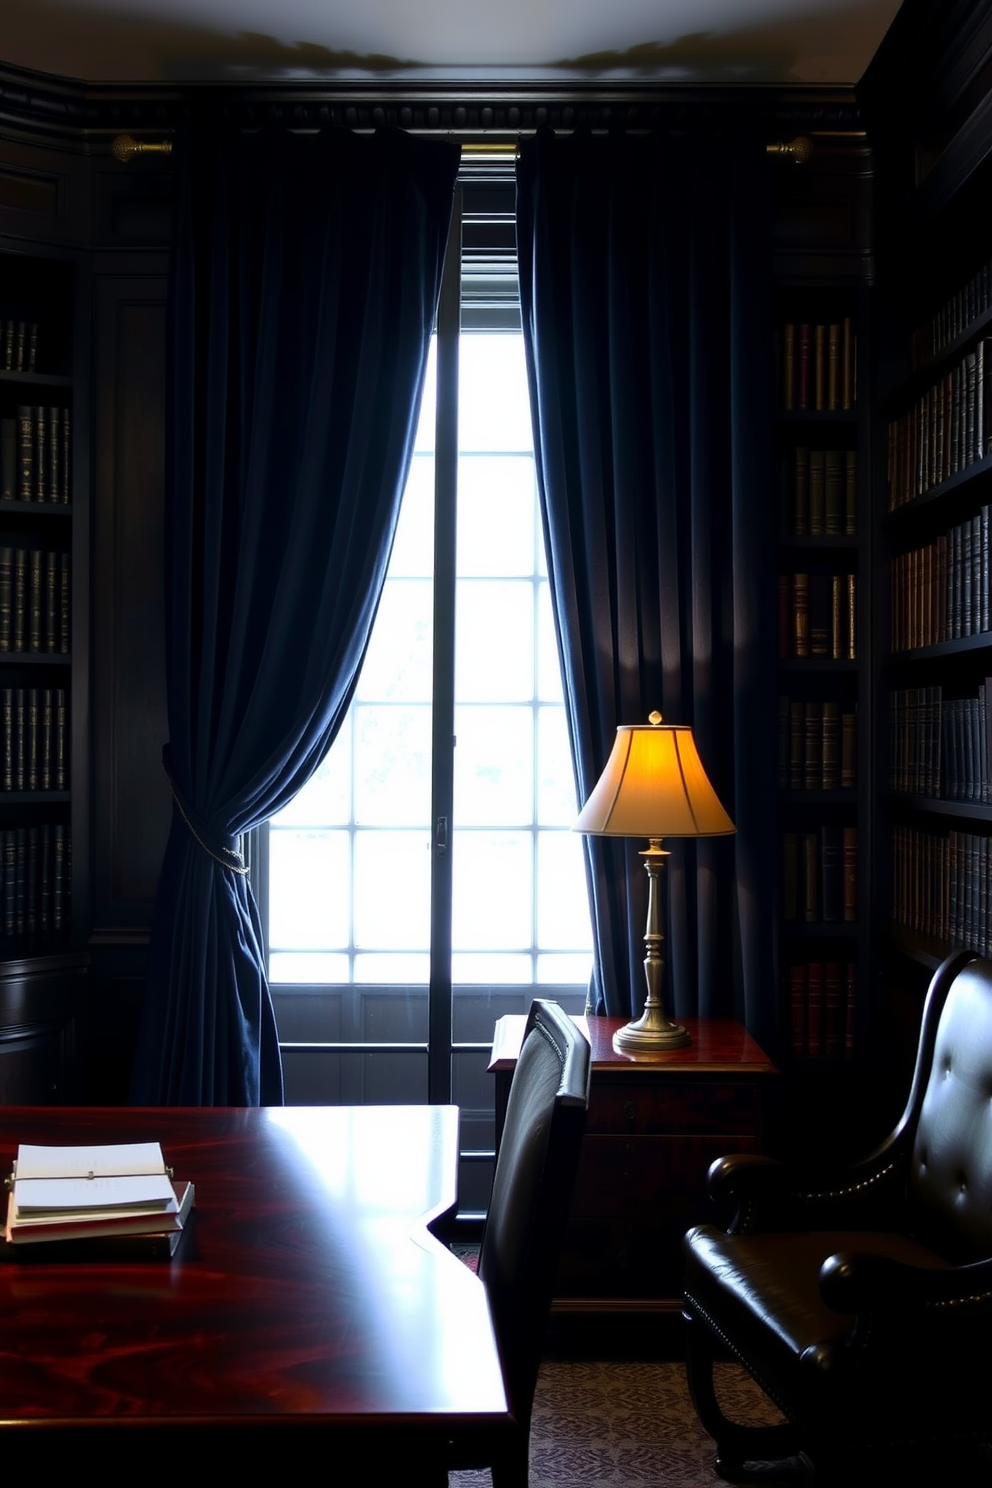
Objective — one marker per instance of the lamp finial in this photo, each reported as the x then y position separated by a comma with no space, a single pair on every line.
654,717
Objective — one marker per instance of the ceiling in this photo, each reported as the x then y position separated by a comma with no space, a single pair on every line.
189,41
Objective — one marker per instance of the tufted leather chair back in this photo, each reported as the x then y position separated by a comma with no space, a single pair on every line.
950,1176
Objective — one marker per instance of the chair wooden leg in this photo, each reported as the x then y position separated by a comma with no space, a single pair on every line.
735,1444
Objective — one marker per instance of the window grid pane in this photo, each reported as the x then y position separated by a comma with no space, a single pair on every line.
519,914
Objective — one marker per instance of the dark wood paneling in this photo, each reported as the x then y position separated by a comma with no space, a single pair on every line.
43,195
40,997
131,796
822,216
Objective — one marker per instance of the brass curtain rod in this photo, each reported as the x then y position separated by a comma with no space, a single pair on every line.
125,148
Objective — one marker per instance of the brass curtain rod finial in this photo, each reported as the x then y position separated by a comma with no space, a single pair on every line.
124,148
799,150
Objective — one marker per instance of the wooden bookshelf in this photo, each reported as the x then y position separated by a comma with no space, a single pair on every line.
820,342
932,503
39,974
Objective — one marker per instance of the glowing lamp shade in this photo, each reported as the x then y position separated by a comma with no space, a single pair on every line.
653,786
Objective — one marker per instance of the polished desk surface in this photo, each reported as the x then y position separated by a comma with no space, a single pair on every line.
307,1288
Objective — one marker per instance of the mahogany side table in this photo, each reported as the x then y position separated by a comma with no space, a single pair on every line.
655,1124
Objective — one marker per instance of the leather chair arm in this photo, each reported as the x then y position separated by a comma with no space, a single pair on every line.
769,1194
746,1175
858,1282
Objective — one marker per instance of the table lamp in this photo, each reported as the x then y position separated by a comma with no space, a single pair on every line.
653,786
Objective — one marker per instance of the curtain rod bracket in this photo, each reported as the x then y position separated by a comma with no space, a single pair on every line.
799,150
124,148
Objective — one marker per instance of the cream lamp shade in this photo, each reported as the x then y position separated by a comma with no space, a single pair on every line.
654,785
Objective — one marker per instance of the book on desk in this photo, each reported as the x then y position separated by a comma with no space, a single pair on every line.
95,1201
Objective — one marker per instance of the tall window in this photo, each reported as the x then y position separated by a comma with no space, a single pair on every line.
426,880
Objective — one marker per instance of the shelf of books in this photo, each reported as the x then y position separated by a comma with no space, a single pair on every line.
938,671
36,506
820,448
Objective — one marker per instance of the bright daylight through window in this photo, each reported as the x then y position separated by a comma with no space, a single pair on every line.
349,883
519,893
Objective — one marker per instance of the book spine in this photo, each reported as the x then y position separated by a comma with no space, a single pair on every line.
66,471
831,753
811,876
35,599
60,763
814,1008
7,738
848,749
833,1010
800,614
40,453
65,604
849,853
813,763
19,605
831,873
25,444
6,597
803,369
817,493
834,493
850,1002
788,353
54,455
800,491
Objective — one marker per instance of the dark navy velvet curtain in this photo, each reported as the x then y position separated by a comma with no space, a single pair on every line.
643,273
305,276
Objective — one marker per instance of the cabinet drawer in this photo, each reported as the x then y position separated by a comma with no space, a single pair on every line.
677,1106
621,1176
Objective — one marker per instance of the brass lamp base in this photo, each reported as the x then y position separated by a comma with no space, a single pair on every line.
653,1030
649,1033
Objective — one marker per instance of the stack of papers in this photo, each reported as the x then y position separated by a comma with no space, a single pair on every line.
75,1193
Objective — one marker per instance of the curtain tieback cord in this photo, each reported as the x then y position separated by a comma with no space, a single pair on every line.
227,857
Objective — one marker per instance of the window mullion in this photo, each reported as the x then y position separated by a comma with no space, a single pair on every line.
442,771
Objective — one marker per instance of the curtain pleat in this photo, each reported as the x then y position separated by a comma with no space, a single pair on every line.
305,275
644,289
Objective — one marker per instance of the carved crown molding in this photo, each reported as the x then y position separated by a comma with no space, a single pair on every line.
54,109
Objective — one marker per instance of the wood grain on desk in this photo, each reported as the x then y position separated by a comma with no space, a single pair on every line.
307,1288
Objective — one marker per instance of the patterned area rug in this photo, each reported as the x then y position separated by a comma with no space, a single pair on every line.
631,1425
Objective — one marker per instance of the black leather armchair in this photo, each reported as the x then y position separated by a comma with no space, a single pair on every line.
861,1300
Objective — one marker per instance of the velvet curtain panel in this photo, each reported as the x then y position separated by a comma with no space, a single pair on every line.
305,277
644,281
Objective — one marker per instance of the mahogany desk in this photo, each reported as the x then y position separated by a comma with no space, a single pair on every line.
307,1292
655,1124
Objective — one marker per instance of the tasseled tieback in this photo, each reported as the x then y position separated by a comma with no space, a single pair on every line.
227,857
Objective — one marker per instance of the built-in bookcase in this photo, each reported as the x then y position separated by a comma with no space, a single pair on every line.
937,675
36,407
819,349
39,972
